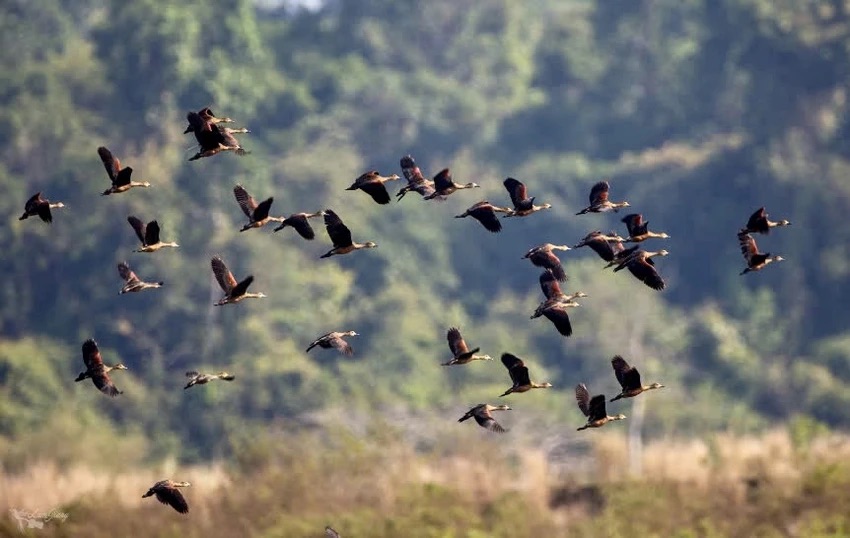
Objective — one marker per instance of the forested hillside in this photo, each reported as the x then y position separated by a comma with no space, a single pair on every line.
697,112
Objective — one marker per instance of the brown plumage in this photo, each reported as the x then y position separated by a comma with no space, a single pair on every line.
300,223
372,183
519,375
167,493
444,185
523,205
334,340
148,234
593,408
258,214
544,256
555,308
606,246
482,415
485,213
120,177
330,533
207,115
196,378
132,283
756,261
639,229
641,265
212,138
416,182
629,379
599,202
234,291
759,223
38,206
462,354
341,236
97,371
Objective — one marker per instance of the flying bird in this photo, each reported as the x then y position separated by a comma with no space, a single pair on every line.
148,235
593,408
756,261
444,185
523,205
544,256
416,182
258,214
97,371
234,291
485,213
759,223
132,283
196,378
629,379
461,353
482,415
372,183
519,375
599,202
167,493
300,223
341,236
40,207
334,340
120,177
639,229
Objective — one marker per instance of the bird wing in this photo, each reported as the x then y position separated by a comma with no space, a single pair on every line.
602,247
456,342
486,420
599,193
338,232
596,407
748,246
104,384
222,274
758,221
366,177
548,260
621,368
344,347
634,224
410,171
91,356
126,273
152,233
583,399
172,497
245,200
511,361
549,285
241,287
483,212
301,225
643,269
376,190
32,204
558,316
110,162
517,190
443,179
138,227
262,210
192,373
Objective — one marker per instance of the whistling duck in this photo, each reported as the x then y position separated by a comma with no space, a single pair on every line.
212,138
120,177
207,115
97,371
196,378
167,493
148,235
599,202
759,223
639,229
462,354
519,375
593,408
37,205
485,213
552,289
372,183
555,310
756,261
481,414
640,264
341,236
234,291
543,256
523,205
334,340
604,245
444,185
299,222
629,379
132,283
416,182
258,214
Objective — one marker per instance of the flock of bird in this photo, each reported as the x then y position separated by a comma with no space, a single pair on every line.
213,138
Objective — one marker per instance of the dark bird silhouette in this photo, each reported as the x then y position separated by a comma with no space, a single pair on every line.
148,235
207,115
132,283
593,408
258,214
641,265
606,246
40,207
482,415
629,379
196,378
234,291
756,261
372,183
485,213
555,308
212,138
120,177
300,223
523,205
334,340
416,182
444,185
97,371
544,256
341,236
759,223
519,375
639,230
167,493
599,202
462,354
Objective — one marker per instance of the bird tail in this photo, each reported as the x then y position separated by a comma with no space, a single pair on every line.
23,217
327,255
615,398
